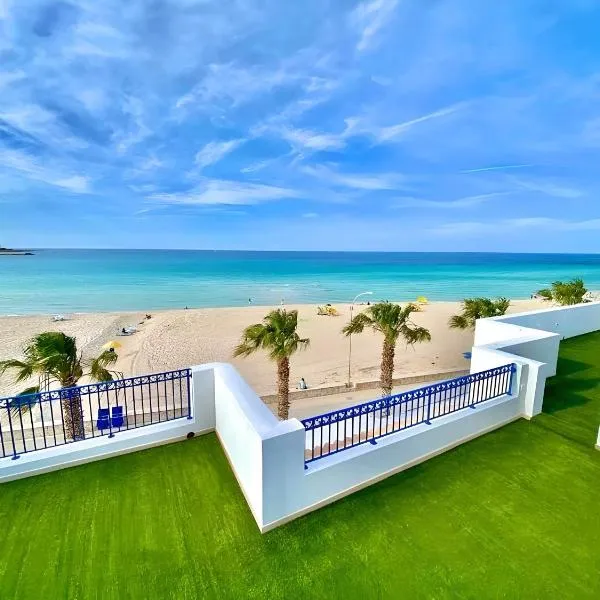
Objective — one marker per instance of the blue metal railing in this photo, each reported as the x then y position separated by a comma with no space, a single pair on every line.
54,418
339,430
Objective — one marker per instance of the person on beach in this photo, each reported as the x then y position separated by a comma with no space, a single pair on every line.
302,384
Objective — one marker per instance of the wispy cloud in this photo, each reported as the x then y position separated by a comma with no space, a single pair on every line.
361,181
442,108
257,166
235,84
466,202
505,227
549,188
368,18
213,152
215,192
496,168
311,140
390,133
30,168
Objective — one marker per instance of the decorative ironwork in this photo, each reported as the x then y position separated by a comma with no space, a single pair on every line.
340,430
56,417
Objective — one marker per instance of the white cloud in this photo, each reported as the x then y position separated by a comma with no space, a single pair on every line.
466,202
213,152
75,183
216,191
508,226
368,18
150,163
94,99
310,215
235,84
361,181
391,132
30,118
548,188
257,166
496,168
137,130
311,140
27,166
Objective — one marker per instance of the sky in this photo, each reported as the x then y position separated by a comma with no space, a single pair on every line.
401,125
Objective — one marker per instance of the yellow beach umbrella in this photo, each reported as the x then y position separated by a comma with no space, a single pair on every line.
112,345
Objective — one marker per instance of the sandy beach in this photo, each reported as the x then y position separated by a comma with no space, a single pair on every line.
174,339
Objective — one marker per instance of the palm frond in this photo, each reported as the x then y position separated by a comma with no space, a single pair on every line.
358,324
276,334
392,320
97,366
478,308
24,400
24,369
459,322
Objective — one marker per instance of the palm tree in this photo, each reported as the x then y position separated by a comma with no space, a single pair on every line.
276,335
53,357
478,308
565,293
394,323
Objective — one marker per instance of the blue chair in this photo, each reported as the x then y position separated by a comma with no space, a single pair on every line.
117,419
103,421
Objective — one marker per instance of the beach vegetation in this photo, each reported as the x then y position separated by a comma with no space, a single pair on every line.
53,357
478,308
565,293
394,323
278,336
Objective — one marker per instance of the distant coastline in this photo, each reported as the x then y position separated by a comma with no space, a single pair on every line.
14,252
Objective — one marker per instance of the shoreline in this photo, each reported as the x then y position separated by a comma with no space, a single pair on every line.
242,306
174,339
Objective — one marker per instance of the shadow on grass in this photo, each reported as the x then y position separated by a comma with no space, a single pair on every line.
567,389
568,366
559,396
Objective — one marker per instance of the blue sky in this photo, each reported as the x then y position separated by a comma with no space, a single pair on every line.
336,125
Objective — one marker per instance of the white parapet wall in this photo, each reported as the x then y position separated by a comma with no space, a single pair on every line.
531,340
268,456
281,488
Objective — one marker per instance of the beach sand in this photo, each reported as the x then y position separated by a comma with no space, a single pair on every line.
174,339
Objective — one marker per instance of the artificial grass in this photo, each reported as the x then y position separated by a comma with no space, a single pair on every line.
513,514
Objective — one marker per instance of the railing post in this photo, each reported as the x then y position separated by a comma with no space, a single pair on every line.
189,394
428,419
513,374
12,433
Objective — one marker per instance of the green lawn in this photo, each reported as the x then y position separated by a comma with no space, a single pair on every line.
515,514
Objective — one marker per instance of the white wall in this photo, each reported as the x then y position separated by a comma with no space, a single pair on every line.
242,422
267,456
532,340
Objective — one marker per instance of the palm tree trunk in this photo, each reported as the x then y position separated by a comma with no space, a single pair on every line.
283,388
387,367
72,413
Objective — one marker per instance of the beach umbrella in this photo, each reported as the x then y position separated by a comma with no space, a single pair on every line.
112,345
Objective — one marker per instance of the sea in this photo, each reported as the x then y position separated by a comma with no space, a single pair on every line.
66,281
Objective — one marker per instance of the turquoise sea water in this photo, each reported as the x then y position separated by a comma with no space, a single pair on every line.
55,281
